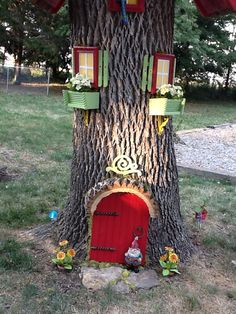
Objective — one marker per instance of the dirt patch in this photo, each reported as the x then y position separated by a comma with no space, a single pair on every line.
32,89
19,163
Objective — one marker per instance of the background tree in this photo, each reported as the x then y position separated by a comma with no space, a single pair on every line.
204,47
51,46
123,125
34,36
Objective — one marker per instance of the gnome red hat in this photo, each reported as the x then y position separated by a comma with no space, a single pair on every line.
134,244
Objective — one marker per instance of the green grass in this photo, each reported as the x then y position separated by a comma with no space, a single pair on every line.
215,240
38,124
30,290
14,257
220,197
192,302
36,133
203,114
29,199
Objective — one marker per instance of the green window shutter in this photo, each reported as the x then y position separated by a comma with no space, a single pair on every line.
150,70
100,68
144,73
105,68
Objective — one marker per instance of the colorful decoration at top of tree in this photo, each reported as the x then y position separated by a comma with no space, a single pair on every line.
131,5
206,7
52,6
211,8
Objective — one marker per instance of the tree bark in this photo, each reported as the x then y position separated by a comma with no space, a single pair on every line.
229,69
123,125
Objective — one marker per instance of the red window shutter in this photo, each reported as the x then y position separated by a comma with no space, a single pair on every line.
114,6
51,6
94,51
162,56
209,7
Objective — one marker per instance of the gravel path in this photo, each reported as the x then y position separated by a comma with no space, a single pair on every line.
210,149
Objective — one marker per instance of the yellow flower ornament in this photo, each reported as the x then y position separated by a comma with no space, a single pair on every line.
63,243
71,253
173,258
61,255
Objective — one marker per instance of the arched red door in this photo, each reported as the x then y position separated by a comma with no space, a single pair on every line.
115,220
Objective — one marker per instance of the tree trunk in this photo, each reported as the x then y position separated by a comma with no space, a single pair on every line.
123,125
18,63
228,78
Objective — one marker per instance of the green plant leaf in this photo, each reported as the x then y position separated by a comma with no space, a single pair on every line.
55,261
175,271
68,267
163,264
165,272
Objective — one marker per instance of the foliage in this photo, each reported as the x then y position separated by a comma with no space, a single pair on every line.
209,50
33,36
51,45
170,91
79,83
64,255
169,262
206,92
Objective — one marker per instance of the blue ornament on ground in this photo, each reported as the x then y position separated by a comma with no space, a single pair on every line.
53,214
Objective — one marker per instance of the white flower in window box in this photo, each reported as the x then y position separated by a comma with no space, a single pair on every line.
80,94
168,101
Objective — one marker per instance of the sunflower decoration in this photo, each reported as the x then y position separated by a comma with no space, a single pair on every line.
63,243
64,256
169,262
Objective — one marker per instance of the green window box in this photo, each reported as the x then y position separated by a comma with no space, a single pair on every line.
81,100
166,107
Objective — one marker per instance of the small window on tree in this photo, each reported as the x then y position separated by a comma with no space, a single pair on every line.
86,63
131,5
163,70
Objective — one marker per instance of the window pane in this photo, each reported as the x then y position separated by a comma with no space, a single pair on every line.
86,65
162,72
166,65
165,79
83,71
132,1
82,59
159,81
90,60
90,75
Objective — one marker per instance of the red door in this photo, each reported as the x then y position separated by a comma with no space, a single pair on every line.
117,218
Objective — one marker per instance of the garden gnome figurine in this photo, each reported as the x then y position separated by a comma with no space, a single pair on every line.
133,257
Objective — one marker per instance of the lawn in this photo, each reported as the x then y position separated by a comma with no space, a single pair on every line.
203,114
36,134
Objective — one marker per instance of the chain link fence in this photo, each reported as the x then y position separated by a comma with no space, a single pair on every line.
25,80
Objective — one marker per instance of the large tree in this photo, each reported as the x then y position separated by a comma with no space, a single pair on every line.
123,125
